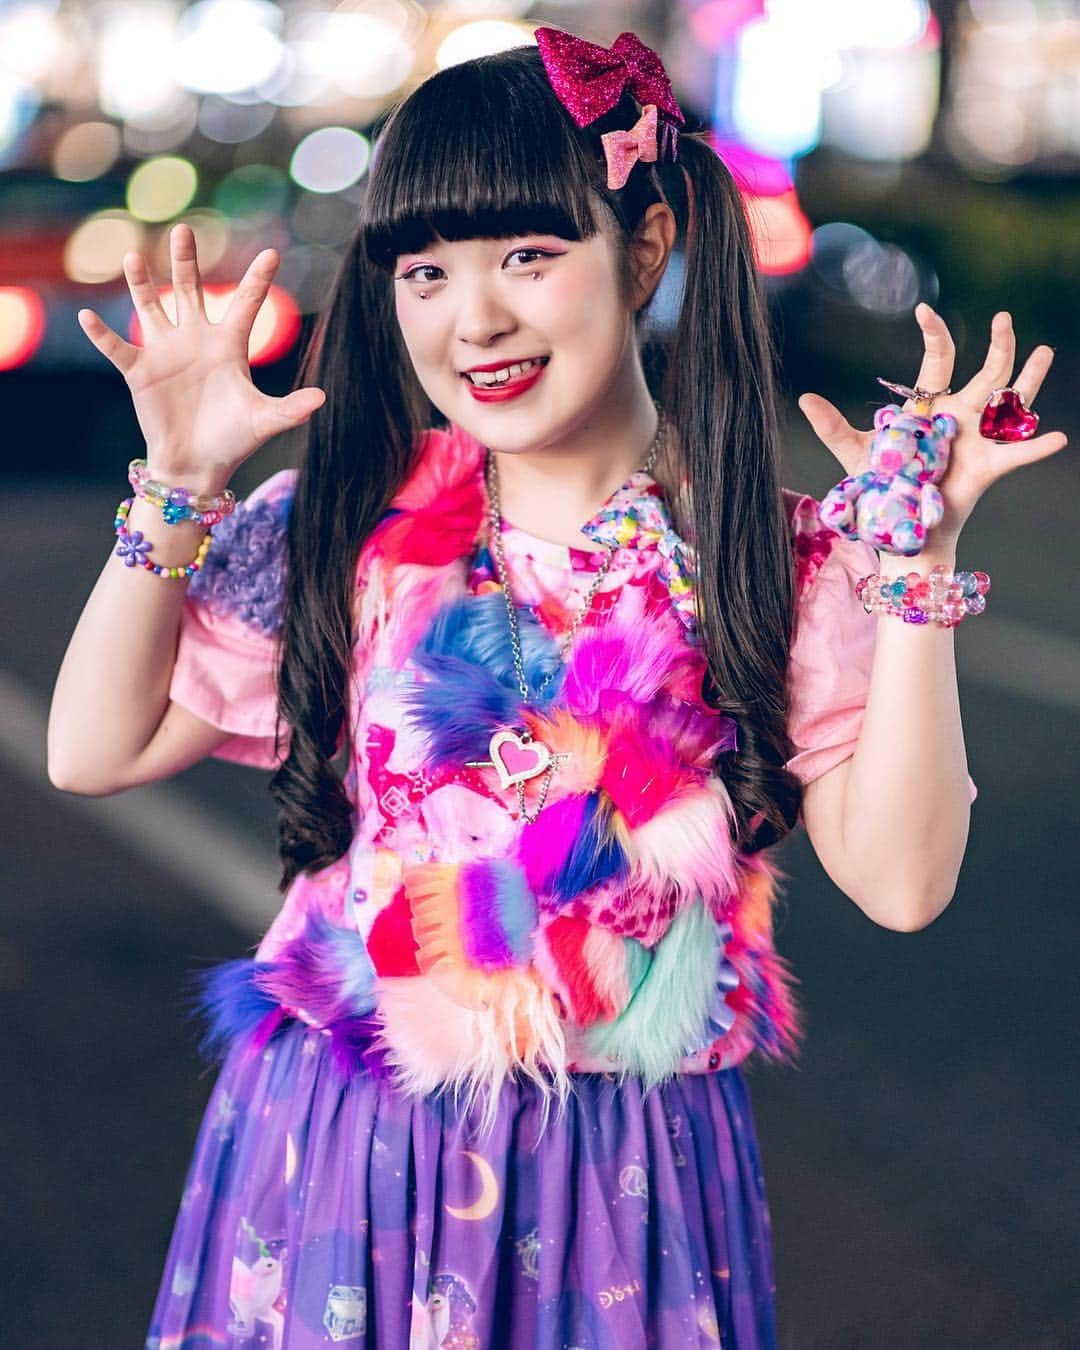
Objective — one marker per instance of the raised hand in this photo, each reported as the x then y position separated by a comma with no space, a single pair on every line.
975,462
199,410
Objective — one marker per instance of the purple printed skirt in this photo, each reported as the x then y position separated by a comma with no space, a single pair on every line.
321,1210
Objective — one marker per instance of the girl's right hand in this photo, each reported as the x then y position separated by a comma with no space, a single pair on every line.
200,413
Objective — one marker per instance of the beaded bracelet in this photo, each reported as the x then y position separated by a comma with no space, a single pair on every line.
179,503
943,598
135,548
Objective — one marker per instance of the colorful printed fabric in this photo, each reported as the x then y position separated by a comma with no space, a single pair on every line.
323,1213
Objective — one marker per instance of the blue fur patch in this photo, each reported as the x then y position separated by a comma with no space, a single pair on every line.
594,856
473,686
226,999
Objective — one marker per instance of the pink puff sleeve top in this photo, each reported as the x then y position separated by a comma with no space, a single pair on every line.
226,659
832,650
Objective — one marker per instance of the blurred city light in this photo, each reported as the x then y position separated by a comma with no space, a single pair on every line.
95,249
232,122
367,55
779,75
259,191
480,39
22,325
161,187
330,159
30,39
781,233
129,85
86,151
213,236
226,46
19,105
264,115
1015,84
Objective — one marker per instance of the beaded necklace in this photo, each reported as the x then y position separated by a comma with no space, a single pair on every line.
515,754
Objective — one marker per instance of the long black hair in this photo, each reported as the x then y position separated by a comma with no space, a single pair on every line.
484,149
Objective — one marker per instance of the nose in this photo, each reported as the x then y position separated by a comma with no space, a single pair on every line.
482,315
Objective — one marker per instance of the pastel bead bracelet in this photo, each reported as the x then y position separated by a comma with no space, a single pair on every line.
135,548
179,503
945,598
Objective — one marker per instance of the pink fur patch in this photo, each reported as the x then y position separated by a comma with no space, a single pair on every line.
637,659
688,847
643,776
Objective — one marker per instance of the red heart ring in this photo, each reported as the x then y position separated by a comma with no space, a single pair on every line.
1006,417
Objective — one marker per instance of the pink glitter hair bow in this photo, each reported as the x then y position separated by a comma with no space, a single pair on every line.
589,80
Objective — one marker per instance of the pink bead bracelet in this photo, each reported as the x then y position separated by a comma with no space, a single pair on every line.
179,503
945,598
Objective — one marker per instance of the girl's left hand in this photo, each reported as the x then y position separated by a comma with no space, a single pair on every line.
975,462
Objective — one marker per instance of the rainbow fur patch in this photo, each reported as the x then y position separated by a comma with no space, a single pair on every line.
581,745
592,971
468,920
768,1018
571,847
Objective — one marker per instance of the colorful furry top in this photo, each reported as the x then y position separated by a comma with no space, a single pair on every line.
457,943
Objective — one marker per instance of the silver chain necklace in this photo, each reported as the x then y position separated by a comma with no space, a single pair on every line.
515,753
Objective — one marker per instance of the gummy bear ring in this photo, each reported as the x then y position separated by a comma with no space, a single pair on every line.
924,398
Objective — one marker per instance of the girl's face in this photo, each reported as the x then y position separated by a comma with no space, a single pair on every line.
504,301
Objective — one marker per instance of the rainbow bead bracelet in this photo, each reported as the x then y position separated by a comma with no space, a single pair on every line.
945,598
179,503
134,548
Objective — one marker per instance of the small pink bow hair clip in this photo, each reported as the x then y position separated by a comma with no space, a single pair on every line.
623,149
589,80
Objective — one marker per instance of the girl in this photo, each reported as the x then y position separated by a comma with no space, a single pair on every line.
482,1078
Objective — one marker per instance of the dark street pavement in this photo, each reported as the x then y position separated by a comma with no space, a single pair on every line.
921,1160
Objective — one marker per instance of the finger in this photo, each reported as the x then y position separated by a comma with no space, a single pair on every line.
251,291
834,430
997,369
1028,383
111,345
939,354
144,294
187,284
1018,453
275,415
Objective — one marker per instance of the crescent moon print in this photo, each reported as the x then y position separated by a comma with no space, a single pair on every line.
488,1198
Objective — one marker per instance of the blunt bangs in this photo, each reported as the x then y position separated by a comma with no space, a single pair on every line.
479,150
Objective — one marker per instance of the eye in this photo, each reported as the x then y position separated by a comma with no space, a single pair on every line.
536,252
410,275
919,435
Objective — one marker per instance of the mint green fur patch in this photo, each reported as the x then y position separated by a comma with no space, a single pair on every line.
670,1008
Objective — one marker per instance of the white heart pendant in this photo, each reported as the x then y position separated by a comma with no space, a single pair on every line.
516,760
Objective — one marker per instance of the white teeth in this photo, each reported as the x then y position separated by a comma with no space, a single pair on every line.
482,377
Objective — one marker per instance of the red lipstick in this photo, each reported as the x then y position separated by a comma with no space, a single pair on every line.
499,393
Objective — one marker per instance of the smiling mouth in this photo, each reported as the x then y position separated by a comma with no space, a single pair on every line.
517,370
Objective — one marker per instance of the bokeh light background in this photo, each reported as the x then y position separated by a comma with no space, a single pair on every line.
889,151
